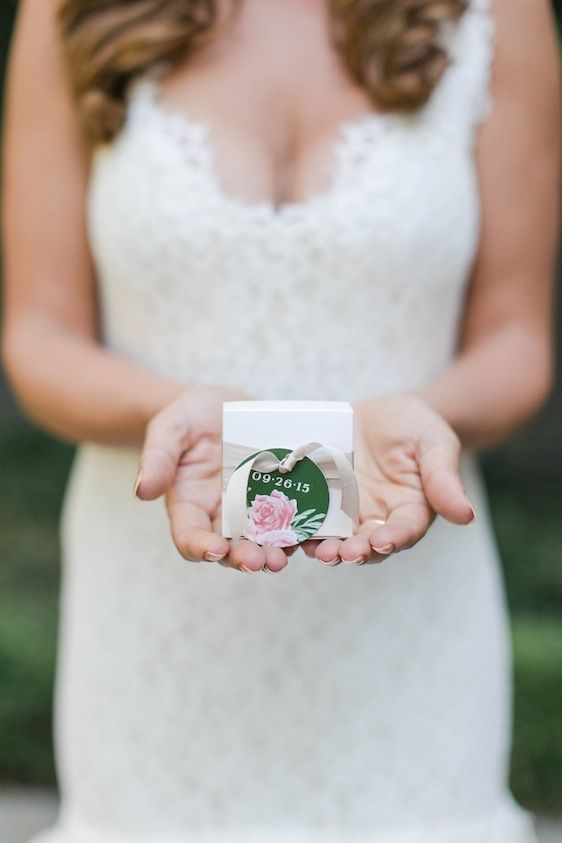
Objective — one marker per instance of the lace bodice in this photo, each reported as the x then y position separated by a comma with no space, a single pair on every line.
353,291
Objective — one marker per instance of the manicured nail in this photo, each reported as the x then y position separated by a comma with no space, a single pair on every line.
137,482
335,561
213,557
245,568
384,551
357,561
473,512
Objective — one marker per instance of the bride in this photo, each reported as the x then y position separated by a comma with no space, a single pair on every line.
281,199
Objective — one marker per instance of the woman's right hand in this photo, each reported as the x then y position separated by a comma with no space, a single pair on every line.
181,459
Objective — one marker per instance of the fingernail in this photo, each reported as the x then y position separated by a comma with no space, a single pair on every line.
335,561
213,557
473,512
137,482
245,568
357,561
384,551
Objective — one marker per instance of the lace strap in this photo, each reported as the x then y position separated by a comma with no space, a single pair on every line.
144,85
463,99
482,48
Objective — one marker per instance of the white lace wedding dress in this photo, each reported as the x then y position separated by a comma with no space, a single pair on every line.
196,704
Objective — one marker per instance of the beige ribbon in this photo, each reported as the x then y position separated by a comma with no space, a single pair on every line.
336,466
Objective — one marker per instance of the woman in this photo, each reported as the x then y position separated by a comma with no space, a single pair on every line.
281,199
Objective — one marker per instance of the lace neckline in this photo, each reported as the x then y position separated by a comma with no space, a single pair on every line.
350,136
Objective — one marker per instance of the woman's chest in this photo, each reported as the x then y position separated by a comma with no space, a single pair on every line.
401,201
271,89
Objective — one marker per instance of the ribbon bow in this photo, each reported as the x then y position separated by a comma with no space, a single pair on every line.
334,464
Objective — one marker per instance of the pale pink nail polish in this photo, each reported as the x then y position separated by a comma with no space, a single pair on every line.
335,561
357,561
384,551
214,557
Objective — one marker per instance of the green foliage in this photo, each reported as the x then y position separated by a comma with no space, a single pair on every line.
527,519
537,740
27,654
33,475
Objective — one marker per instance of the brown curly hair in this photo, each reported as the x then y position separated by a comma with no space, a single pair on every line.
390,47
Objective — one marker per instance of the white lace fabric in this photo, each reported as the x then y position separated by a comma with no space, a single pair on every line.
195,704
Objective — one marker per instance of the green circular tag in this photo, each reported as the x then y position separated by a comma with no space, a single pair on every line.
286,509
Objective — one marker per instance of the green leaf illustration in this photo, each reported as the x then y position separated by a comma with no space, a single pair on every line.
310,527
315,521
302,515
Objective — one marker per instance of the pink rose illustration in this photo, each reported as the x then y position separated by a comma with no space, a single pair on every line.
272,512
269,519
275,538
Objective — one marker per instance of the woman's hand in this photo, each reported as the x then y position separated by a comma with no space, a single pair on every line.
407,465
181,458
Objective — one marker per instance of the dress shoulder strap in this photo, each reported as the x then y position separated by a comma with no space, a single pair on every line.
477,53
463,98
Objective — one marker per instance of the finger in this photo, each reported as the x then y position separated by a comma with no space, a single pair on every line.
275,559
374,558
356,549
328,551
438,459
406,524
364,531
193,535
167,437
247,555
309,547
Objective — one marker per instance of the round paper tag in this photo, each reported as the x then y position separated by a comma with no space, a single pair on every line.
286,509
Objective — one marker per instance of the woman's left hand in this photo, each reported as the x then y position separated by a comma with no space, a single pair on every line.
406,460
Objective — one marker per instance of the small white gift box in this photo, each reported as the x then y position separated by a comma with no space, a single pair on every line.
288,471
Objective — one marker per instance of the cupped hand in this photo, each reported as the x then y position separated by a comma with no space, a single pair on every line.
181,459
406,459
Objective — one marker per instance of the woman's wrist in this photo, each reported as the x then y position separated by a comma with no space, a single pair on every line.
155,394
201,402
163,392
443,400
433,396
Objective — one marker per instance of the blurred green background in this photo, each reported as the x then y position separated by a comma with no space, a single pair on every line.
524,478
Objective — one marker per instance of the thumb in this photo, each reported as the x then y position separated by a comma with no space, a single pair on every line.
438,456
168,436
